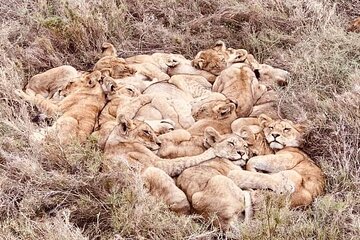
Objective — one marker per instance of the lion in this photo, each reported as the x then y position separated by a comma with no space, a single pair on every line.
114,67
117,95
161,60
184,67
48,83
132,143
208,188
216,114
239,82
268,102
83,100
251,131
169,102
157,108
215,109
288,164
196,86
122,96
354,26
111,65
218,58
271,76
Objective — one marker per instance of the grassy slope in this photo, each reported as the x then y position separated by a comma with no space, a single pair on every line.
48,192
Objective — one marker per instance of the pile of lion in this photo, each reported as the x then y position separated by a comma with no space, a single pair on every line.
205,134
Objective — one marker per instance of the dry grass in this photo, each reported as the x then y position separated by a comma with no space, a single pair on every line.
48,192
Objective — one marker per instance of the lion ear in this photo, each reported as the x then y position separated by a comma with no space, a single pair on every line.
247,135
92,78
211,136
241,55
264,120
220,46
106,72
124,123
228,109
198,63
301,127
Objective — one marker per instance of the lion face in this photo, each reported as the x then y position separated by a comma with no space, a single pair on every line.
216,59
87,81
113,89
217,109
121,70
114,67
281,133
255,139
211,61
230,146
161,126
135,131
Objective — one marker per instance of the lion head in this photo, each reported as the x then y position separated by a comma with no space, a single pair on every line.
216,109
84,82
113,89
114,67
134,131
213,60
229,146
161,126
216,59
271,76
281,133
255,139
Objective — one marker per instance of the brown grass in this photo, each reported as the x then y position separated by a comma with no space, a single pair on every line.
51,192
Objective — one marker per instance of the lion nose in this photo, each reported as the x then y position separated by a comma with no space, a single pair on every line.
275,135
241,153
158,143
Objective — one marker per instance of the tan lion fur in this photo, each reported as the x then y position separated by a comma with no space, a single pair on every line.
108,50
83,101
239,82
208,188
354,25
184,67
49,82
289,163
131,142
196,86
161,60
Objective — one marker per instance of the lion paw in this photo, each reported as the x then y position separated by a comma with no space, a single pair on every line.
285,186
20,93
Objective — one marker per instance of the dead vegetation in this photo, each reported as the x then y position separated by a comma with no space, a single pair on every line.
49,192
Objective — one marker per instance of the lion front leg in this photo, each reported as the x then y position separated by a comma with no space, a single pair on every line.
221,197
272,163
163,186
45,105
278,182
131,108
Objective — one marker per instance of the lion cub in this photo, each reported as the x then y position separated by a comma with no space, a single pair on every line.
132,143
218,58
239,82
83,100
289,164
208,188
48,83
